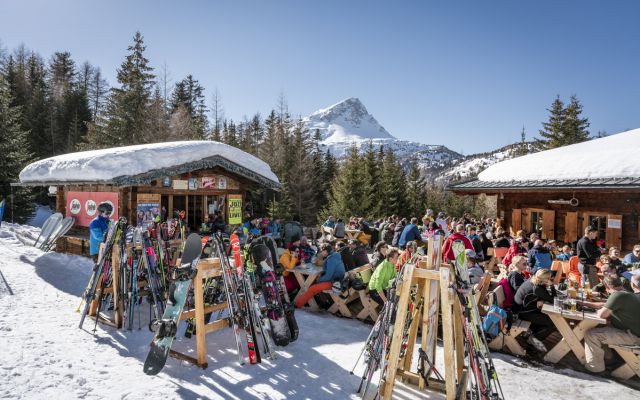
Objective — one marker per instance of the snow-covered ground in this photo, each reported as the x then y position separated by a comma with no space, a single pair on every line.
43,355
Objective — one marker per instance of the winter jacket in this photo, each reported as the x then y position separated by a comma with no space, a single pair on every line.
502,242
360,257
409,233
587,251
515,250
528,295
338,230
396,235
447,250
347,258
97,228
382,276
477,246
539,258
292,229
515,280
630,259
564,256
330,224
333,268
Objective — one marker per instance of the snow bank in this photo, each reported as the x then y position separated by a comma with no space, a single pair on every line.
106,164
614,156
45,356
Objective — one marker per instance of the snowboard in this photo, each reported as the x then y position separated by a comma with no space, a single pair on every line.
289,308
2,206
263,263
48,227
166,328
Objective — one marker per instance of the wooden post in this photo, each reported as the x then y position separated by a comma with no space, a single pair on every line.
447,332
394,352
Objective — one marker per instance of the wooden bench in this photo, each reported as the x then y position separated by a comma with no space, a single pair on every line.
631,357
341,302
508,338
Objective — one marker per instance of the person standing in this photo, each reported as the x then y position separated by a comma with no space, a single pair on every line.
410,233
588,252
447,250
98,228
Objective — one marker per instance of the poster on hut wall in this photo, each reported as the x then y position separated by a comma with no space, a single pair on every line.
148,209
235,209
220,182
180,184
83,206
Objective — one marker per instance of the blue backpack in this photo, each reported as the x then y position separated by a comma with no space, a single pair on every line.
493,323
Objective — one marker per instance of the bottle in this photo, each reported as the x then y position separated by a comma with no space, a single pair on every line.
587,289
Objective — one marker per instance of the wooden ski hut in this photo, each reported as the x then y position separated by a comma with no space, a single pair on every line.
145,181
558,192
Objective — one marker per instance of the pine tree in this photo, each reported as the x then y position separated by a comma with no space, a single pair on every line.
575,128
347,190
415,189
189,94
159,127
14,148
522,147
298,178
218,116
35,113
552,131
392,186
371,182
126,117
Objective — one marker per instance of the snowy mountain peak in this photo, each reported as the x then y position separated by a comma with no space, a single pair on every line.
347,120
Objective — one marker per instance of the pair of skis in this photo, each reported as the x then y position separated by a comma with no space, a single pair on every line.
53,229
484,383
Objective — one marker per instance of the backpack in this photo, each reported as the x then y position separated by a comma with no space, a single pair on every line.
493,323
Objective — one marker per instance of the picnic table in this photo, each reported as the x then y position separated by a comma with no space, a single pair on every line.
352,233
306,275
572,339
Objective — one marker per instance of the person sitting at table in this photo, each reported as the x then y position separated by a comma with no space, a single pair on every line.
410,233
333,272
517,273
475,241
486,244
382,276
539,257
305,250
615,260
530,298
635,283
474,269
358,253
406,255
345,255
379,254
330,222
517,248
566,253
633,257
387,233
621,308
502,239
205,227
339,229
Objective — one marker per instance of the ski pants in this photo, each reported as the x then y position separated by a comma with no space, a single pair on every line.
541,325
596,337
316,288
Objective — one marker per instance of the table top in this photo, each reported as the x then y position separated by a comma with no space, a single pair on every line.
579,315
307,269
352,230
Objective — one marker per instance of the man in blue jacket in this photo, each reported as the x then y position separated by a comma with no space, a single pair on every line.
410,233
97,229
333,272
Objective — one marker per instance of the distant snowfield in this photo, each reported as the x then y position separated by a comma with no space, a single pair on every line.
43,355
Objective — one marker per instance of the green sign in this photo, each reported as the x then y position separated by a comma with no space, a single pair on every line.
235,209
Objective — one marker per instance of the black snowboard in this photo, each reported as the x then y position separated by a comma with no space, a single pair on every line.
166,327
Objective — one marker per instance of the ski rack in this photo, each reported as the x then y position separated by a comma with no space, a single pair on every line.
116,320
433,281
207,268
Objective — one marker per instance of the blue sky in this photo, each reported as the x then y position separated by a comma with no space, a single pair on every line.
465,74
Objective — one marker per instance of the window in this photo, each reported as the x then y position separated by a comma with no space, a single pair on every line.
535,222
599,222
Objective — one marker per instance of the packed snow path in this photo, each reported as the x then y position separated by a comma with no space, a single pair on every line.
43,355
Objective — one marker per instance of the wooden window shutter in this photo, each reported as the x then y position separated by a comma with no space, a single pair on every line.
548,224
571,227
516,221
614,235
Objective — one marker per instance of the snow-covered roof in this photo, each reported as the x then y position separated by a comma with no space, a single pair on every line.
611,157
141,162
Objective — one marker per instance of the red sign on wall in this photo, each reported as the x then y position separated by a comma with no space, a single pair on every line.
83,206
